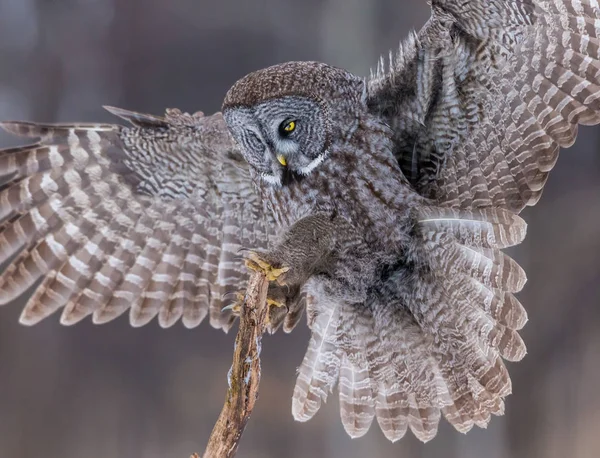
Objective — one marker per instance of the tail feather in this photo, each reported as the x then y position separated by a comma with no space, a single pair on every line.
392,403
423,421
433,344
404,369
409,351
391,408
320,369
357,403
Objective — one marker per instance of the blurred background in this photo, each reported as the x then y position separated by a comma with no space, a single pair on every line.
113,391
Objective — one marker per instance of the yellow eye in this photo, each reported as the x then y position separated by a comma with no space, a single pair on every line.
287,127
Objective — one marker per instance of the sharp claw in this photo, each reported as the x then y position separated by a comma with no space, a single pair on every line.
229,307
279,272
252,265
231,295
275,303
256,263
236,307
257,260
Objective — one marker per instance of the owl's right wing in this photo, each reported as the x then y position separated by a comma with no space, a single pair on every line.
481,100
106,218
478,103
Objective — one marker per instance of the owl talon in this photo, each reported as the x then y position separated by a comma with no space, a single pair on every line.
236,307
275,303
258,264
275,308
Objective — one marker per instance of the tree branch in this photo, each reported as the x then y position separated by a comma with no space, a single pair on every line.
244,376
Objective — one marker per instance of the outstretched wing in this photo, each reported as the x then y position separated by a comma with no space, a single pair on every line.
481,100
479,103
106,218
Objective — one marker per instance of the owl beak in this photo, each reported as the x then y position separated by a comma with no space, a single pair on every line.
282,160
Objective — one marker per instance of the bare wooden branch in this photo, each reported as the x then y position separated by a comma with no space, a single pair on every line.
244,375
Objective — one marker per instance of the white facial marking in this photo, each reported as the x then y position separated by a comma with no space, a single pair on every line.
271,179
313,164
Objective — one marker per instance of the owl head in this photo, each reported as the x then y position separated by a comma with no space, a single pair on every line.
287,118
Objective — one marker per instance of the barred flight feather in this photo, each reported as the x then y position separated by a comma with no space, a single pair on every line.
123,218
517,79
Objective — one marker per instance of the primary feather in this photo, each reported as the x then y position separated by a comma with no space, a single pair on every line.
147,218
483,97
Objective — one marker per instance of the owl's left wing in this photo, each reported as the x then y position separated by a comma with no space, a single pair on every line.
106,218
483,97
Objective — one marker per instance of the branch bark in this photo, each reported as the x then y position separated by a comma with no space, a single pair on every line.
244,376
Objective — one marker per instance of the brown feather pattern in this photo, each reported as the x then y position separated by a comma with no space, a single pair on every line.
484,96
112,218
479,103
459,135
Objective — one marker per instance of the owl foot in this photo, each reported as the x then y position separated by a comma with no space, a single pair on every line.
276,311
255,262
240,296
275,303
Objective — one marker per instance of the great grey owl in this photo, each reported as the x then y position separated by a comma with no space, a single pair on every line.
380,205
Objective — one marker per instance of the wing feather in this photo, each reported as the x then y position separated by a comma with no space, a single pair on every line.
147,218
483,98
